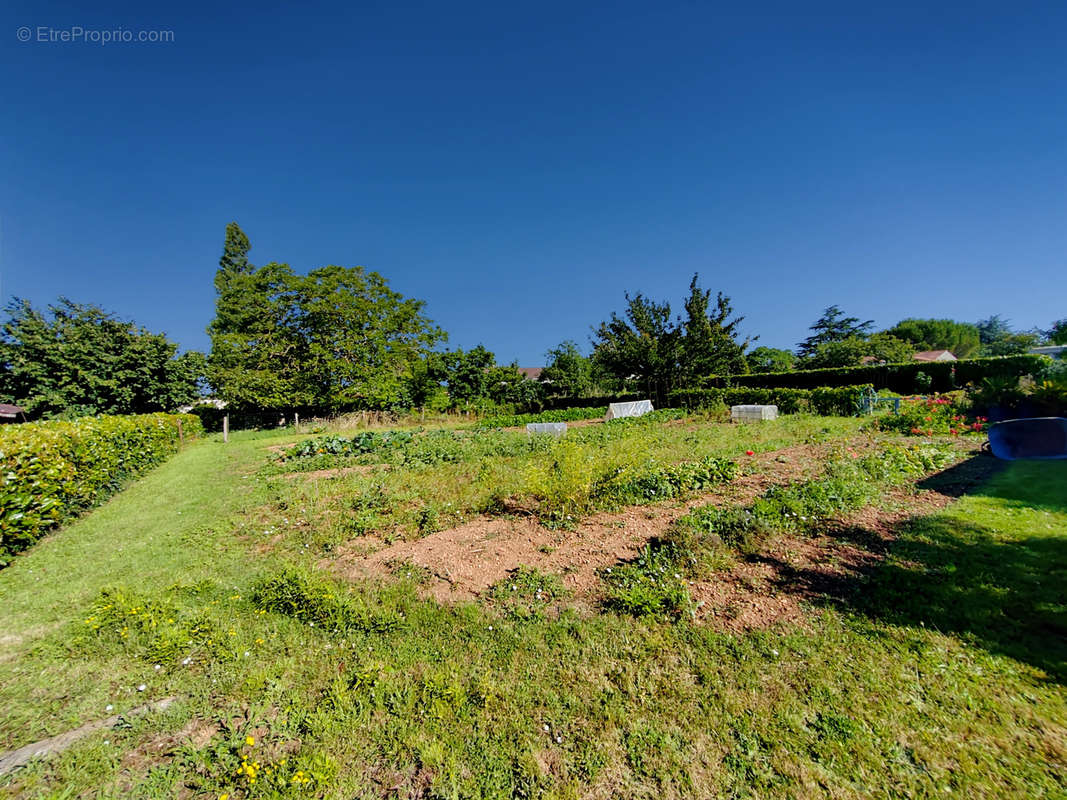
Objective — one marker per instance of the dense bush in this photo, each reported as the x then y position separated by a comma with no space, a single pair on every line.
560,415
839,401
914,377
53,470
927,416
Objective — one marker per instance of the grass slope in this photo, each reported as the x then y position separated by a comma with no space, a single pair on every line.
942,672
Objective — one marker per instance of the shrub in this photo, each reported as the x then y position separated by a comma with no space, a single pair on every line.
825,400
660,482
927,416
54,470
905,378
560,415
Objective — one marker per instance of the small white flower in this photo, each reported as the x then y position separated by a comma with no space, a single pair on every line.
141,688
156,667
187,661
490,627
545,726
108,707
559,739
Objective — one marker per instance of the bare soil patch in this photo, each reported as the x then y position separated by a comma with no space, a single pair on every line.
464,561
789,573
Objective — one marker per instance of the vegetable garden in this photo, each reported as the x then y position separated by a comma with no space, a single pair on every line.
669,606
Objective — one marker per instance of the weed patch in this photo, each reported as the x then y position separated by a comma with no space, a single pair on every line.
526,593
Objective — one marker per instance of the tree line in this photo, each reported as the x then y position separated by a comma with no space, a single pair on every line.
340,338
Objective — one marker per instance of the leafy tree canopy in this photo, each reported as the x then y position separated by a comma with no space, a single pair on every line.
78,359
568,373
993,329
854,350
336,337
770,359
961,338
998,338
641,346
1057,334
709,338
645,346
833,326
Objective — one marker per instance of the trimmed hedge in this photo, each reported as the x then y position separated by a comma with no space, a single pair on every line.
54,470
827,401
903,378
559,415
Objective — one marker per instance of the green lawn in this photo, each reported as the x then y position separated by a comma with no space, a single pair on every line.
940,670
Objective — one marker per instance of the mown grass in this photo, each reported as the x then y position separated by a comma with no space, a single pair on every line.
943,675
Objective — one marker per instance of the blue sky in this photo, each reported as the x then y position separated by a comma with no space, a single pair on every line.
520,166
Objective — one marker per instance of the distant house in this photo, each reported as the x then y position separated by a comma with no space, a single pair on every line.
1054,350
935,355
10,413
531,373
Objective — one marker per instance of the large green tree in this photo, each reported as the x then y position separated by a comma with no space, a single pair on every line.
833,326
466,373
647,348
998,338
961,338
709,343
357,340
770,359
337,337
76,359
569,373
856,350
640,347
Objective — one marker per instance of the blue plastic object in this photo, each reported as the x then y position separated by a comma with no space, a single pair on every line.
1036,437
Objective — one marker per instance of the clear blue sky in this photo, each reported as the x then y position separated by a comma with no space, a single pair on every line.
519,166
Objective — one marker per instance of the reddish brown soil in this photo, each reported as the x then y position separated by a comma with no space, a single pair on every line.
778,584
790,572
468,559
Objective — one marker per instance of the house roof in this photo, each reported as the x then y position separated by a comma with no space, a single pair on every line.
531,373
9,411
935,355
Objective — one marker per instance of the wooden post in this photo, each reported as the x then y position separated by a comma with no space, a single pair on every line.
296,420
181,437
226,428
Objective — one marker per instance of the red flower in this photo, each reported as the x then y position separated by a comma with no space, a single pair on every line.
749,453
